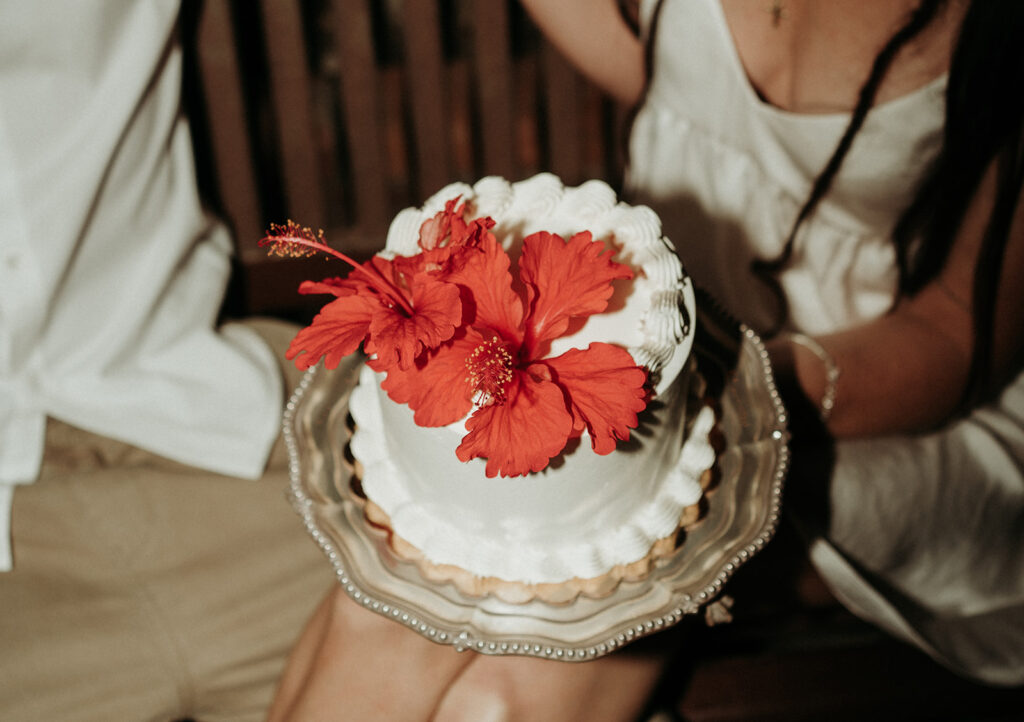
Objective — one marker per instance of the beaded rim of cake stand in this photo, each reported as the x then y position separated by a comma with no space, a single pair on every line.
462,640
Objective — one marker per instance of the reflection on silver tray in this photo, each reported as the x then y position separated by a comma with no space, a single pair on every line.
742,514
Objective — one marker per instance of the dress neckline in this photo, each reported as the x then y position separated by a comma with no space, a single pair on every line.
756,101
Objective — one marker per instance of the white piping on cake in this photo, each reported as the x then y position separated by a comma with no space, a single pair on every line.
633,231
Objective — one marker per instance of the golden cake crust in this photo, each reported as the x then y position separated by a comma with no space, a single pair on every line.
513,592
564,592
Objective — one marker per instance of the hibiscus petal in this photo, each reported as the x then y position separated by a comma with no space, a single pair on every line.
490,300
476,232
398,339
442,225
522,434
605,388
335,332
564,280
387,270
334,286
435,387
409,266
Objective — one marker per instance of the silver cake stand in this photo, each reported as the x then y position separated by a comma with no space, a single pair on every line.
742,513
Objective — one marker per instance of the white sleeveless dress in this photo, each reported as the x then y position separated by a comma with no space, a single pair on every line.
925,535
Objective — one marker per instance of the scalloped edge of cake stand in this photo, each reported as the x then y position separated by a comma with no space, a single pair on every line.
742,516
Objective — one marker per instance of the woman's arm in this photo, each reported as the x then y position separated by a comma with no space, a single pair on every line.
595,38
907,371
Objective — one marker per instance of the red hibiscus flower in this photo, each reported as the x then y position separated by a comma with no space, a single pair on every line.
525,406
395,307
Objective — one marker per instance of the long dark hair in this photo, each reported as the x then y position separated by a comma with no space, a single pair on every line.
984,124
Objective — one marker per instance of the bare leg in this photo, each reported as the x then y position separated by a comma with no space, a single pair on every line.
351,663
507,689
300,661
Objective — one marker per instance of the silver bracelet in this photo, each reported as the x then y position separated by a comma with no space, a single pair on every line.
828,398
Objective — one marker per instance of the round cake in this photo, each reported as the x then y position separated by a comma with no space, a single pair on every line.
609,502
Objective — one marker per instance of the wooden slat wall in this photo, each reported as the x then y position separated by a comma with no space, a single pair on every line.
493,83
293,111
384,114
425,87
229,138
362,113
563,114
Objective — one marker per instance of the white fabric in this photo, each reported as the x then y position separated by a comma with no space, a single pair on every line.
111,275
925,535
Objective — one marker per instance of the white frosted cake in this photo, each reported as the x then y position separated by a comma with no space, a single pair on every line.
586,520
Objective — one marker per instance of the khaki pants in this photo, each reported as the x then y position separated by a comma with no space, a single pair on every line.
144,589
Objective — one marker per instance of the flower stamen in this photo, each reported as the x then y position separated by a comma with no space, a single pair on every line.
294,241
490,371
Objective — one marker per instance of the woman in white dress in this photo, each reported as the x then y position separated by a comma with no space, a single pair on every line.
884,215
843,177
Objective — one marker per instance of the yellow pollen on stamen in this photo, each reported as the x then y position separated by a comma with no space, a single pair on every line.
287,241
490,371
